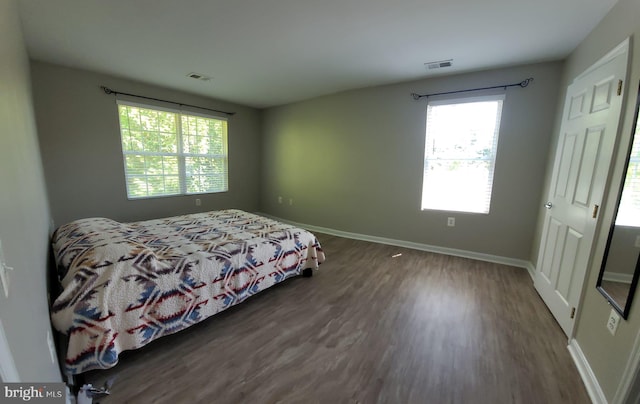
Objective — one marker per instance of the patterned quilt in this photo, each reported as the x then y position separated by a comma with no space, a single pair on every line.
126,284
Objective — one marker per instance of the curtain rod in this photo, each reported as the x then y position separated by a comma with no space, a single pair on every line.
107,90
522,84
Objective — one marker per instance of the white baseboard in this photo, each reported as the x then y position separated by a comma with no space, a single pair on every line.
617,277
588,377
532,270
415,246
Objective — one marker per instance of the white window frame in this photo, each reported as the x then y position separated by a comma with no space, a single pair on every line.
179,154
627,206
429,200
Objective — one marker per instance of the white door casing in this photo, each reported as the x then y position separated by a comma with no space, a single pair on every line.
588,135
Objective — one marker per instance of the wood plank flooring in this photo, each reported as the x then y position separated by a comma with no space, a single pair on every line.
366,328
619,291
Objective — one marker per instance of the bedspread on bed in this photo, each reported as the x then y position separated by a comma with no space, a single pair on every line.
126,284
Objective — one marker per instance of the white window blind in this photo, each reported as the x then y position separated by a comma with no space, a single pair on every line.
168,152
460,152
629,209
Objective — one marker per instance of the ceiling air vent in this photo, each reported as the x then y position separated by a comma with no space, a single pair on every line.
199,76
438,64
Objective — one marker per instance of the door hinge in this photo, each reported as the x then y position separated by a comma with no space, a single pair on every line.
573,312
595,211
619,87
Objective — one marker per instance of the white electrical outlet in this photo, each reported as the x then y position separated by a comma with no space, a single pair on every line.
451,221
198,202
612,324
637,241
280,200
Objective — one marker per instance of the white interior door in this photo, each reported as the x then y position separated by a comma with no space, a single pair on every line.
587,137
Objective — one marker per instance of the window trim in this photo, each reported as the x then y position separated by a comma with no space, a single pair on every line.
633,163
492,160
179,154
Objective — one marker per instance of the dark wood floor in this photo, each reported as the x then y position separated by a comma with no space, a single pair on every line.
367,328
619,291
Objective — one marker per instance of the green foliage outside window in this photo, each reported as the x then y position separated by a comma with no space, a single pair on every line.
169,153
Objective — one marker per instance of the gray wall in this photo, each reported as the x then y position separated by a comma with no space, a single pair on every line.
24,211
353,161
606,354
82,157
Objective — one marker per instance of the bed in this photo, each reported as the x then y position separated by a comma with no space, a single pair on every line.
127,284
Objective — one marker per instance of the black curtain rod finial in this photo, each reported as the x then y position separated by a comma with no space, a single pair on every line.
526,82
107,90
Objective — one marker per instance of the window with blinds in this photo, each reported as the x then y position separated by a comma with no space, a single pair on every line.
168,152
460,153
629,209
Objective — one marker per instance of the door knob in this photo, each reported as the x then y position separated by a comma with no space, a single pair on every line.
548,205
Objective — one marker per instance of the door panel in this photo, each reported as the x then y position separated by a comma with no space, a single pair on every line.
589,129
569,260
590,154
602,95
567,155
576,109
554,239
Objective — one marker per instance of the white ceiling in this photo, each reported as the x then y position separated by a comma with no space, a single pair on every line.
269,52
